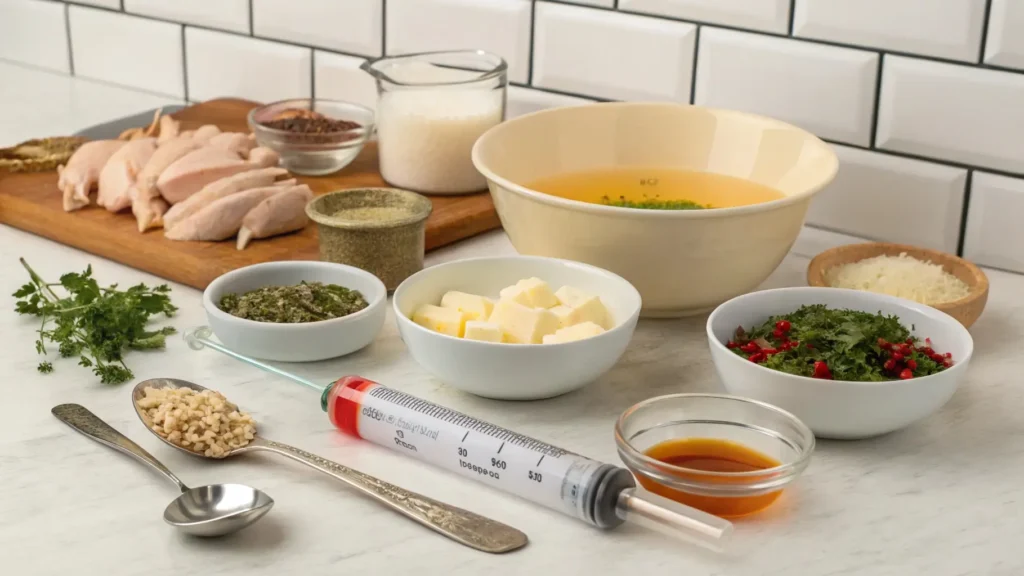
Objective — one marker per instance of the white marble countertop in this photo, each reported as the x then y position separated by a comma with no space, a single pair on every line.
940,498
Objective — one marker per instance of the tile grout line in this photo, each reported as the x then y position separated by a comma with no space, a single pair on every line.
873,136
984,31
533,37
252,26
383,27
184,63
928,159
312,74
67,34
968,184
792,15
693,73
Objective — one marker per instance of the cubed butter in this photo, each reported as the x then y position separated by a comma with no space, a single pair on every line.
444,320
574,333
585,307
524,325
483,331
564,314
473,306
515,294
538,292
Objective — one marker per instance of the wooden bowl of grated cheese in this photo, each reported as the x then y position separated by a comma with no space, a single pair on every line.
937,279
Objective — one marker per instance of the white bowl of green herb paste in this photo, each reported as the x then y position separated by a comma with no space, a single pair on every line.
848,363
296,311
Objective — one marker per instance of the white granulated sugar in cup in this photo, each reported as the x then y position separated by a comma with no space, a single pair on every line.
426,135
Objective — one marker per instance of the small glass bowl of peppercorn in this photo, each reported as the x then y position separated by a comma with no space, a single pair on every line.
313,136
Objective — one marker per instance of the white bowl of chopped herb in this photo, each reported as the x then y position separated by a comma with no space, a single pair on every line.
296,311
850,364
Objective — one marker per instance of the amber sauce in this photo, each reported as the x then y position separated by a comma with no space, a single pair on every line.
701,455
639,184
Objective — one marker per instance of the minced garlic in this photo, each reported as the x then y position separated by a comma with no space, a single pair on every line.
902,276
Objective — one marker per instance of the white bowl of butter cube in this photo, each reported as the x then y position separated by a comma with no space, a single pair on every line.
516,327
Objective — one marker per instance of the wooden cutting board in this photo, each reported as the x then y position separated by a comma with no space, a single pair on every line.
31,202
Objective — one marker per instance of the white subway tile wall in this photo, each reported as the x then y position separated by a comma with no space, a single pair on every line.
30,33
923,99
952,112
942,28
825,89
902,200
612,56
766,15
222,64
498,26
127,50
338,77
230,15
353,26
1005,46
994,235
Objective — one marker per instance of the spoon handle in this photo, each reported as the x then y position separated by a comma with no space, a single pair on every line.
460,525
89,424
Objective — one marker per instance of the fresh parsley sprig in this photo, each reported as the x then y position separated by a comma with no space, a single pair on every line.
96,324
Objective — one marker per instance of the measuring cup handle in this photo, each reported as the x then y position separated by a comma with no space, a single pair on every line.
91,425
460,525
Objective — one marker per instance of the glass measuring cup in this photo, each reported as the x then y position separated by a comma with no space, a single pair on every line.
431,108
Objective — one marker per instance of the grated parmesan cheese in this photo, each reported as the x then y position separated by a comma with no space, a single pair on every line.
902,276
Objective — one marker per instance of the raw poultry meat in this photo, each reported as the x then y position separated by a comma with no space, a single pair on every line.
169,128
205,165
238,142
205,132
222,218
147,204
186,134
82,171
281,213
119,173
221,188
264,156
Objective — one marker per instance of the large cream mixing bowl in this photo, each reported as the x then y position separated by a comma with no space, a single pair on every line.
683,262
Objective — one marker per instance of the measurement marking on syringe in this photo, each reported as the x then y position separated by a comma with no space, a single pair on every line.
500,447
466,436
541,459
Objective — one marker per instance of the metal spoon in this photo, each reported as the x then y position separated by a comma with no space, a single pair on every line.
460,525
213,510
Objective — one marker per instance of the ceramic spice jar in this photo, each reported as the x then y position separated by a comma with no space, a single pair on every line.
381,230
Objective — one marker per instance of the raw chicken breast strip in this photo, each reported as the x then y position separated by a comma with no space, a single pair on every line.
207,164
221,188
169,128
82,171
221,219
118,175
205,132
238,142
281,213
147,204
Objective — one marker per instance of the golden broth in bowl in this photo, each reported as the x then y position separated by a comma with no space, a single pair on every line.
656,188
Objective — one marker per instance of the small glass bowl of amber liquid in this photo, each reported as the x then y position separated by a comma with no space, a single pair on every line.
726,455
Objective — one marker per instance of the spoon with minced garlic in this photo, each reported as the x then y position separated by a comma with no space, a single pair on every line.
164,406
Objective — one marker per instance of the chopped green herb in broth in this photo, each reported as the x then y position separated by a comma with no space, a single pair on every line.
653,204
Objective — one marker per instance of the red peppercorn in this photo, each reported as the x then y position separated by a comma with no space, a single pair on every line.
883,344
937,357
730,344
948,354
910,341
770,351
912,364
757,358
783,325
889,365
906,350
926,351
821,370
750,347
778,333
906,374
897,357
